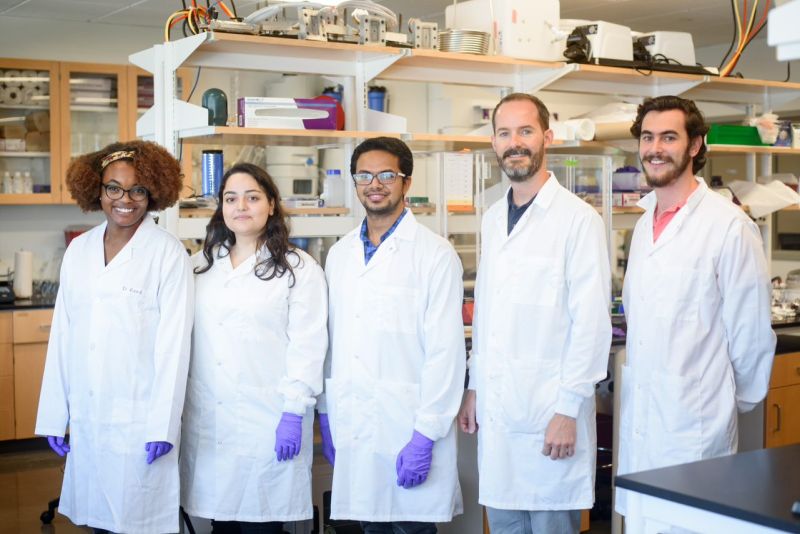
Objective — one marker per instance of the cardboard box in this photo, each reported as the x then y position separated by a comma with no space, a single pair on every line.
38,121
289,113
37,142
15,145
13,131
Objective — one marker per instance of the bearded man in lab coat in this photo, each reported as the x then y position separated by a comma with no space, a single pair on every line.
697,302
396,358
541,336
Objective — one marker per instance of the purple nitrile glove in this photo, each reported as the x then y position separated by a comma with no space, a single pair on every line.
156,449
414,461
58,444
288,436
328,450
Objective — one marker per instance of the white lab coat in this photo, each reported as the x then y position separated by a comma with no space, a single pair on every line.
699,340
258,350
541,338
396,364
116,374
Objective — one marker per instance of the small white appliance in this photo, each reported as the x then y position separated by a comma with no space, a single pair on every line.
605,41
673,46
295,170
524,29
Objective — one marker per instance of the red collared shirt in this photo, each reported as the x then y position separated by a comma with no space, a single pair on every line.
661,220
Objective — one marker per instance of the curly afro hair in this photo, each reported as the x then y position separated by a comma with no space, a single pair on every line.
155,169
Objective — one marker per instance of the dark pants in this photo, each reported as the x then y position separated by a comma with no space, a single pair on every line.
399,527
240,527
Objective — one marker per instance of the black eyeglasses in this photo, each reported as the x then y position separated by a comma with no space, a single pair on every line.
115,192
385,177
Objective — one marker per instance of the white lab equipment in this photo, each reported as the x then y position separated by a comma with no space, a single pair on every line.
782,30
520,29
673,46
605,41
333,191
18,183
8,183
295,170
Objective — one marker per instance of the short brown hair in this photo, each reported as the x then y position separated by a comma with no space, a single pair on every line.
154,166
693,120
544,113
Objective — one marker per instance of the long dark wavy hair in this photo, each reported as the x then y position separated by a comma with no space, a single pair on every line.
275,235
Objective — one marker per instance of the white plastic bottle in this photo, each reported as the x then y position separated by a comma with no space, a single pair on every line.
27,182
333,188
19,186
8,183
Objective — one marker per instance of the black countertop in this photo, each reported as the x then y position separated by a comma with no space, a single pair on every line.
28,304
756,486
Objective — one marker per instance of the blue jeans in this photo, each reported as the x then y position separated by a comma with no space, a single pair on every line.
534,522
399,527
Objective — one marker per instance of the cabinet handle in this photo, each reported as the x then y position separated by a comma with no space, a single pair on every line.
44,327
778,417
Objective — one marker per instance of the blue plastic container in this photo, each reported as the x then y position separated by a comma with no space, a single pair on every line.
212,172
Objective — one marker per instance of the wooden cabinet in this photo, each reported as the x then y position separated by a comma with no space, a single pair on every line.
6,378
23,348
783,402
94,110
29,126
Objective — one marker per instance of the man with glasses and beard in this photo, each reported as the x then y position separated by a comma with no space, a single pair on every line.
396,361
697,302
541,337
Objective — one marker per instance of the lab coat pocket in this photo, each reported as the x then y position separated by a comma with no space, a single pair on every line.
395,308
680,290
534,281
675,423
125,432
528,396
396,403
256,411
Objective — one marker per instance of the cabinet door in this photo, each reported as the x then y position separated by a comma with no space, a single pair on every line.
28,370
783,416
94,111
6,391
29,120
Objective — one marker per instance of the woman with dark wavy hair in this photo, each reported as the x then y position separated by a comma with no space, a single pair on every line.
258,350
119,346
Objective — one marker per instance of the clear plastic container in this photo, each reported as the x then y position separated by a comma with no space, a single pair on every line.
333,188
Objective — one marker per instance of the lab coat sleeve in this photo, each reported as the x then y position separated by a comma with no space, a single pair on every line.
442,376
322,404
746,293
172,342
53,412
477,324
588,287
308,338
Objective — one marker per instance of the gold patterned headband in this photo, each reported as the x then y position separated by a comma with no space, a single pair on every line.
114,156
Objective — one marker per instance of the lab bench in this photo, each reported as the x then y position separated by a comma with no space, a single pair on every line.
748,492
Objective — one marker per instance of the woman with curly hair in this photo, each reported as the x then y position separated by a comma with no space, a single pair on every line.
258,350
118,354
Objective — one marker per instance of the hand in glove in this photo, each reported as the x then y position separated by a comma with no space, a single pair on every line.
414,461
288,436
58,444
156,449
328,450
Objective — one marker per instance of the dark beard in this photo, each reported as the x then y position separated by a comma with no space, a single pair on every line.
521,174
678,169
382,212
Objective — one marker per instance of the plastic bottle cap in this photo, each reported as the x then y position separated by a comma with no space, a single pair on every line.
334,172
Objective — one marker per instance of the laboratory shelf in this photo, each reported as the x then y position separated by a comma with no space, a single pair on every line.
15,154
323,211
745,91
232,135
747,149
26,198
300,226
254,52
27,107
596,79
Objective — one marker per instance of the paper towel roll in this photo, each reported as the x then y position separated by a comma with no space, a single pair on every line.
13,95
605,131
23,274
583,129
